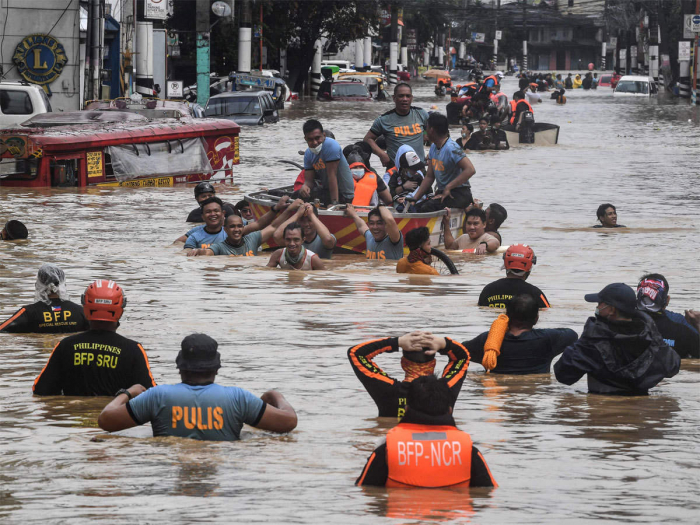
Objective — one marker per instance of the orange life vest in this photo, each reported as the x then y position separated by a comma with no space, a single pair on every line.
492,77
365,187
428,456
513,106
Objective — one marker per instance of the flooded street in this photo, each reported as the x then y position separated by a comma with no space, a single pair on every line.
556,452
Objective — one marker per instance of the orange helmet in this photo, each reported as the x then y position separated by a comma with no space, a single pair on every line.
103,300
519,257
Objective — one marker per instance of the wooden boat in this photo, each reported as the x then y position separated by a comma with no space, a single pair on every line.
344,229
545,134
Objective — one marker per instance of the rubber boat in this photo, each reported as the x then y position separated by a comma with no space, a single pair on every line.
545,134
344,229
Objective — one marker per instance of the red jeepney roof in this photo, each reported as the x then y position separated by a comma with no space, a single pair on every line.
95,136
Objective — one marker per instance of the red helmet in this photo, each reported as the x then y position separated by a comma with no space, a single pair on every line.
103,300
519,257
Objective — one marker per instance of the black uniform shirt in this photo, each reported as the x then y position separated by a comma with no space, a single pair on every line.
94,363
41,318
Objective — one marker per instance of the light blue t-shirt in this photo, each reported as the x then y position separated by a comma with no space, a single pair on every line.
444,162
318,248
209,412
330,152
198,237
384,249
249,248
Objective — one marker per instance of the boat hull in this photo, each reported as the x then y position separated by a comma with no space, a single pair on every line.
545,134
345,231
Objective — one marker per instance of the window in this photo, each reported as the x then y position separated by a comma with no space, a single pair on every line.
18,169
632,86
15,102
349,90
226,106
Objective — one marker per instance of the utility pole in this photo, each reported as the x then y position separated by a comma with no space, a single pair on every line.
694,72
603,53
245,33
495,40
525,35
394,45
202,27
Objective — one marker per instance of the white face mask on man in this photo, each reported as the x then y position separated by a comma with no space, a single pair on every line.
357,173
317,149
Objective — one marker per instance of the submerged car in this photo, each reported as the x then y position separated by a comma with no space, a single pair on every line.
635,86
245,107
343,91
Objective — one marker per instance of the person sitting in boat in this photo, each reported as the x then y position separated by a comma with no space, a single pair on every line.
211,231
488,86
607,215
13,231
499,137
679,332
369,187
244,241
449,167
301,178
475,238
517,262
417,360
426,449
317,238
243,209
406,179
467,131
495,216
202,192
52,312
327,173
525,349
418,259
482,139
294,256
382,235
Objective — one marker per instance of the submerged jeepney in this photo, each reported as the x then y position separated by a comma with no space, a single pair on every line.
113,148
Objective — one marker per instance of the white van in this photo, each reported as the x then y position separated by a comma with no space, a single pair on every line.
20,101
635,86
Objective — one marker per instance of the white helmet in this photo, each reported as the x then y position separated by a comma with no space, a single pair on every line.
499,74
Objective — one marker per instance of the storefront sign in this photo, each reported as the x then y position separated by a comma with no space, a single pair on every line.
683,50
156,9
40,59
94,164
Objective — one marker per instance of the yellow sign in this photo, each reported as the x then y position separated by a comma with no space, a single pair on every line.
94,164
236,152
160,182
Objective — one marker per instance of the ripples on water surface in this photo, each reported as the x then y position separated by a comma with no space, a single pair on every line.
557,453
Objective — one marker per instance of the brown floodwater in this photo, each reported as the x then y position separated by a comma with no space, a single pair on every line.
558,453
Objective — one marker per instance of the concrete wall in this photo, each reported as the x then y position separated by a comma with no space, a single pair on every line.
21,18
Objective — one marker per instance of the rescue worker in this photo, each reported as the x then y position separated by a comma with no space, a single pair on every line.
13,231
525,349
518,107
620,349
517,261
382,235
488,86
212,231
98,362
203,191
418,359
680,333
404,124
198,408
294,256
52,312
426,449
316,235
418,259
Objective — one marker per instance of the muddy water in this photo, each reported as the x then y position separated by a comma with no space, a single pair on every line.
557,453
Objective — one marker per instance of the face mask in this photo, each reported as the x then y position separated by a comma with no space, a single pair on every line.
317,149
464,135
597,312
357,173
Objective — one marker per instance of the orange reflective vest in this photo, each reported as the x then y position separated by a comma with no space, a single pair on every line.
365,187
428,456
492,77
514,104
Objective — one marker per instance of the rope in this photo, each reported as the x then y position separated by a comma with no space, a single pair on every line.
492,347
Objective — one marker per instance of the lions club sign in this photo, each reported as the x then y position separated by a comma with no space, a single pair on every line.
40,58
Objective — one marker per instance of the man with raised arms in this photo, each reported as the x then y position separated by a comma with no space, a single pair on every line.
294,256
198,408
382,234
316,236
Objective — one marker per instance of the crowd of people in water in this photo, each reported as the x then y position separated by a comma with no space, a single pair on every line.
630,344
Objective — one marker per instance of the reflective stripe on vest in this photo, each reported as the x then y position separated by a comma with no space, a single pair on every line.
428,456
365,187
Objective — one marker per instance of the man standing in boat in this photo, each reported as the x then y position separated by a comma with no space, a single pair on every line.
403,125
327,175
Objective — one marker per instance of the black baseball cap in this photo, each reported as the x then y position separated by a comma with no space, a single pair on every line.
16,230
618,295
198,354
